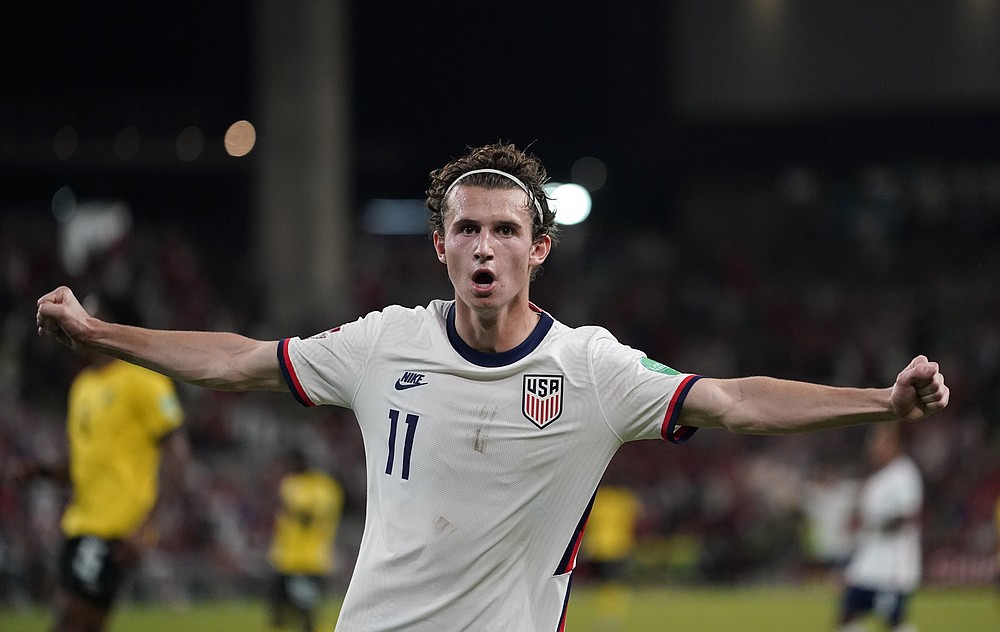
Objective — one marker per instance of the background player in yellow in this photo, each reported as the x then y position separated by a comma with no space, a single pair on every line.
609,543
310,506
123,423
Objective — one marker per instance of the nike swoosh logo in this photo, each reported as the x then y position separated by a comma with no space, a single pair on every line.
402,387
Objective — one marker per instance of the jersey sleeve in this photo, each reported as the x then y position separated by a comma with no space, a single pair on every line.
640,398
328,368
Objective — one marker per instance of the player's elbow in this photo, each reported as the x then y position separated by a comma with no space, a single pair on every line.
252,367
720,403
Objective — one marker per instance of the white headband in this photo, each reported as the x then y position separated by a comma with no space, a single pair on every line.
524,187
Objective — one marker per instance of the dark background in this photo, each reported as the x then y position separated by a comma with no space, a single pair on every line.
661,92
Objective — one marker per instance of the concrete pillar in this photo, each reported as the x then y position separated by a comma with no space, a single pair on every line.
303,218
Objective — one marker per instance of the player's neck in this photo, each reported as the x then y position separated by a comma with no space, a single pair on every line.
495,330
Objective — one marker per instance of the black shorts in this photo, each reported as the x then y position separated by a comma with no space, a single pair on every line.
302,591
888,605
88,569
611,570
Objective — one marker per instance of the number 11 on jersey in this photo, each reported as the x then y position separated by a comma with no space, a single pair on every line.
411,429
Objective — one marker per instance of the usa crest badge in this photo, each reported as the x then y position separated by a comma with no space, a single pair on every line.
542,398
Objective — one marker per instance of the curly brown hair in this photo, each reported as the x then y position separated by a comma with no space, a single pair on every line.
503,157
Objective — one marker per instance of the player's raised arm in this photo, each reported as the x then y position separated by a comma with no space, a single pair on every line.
217,360
765,405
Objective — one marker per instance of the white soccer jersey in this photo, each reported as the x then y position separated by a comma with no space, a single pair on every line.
888,560
481,467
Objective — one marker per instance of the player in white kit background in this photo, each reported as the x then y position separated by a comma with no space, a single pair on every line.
885,566
487,423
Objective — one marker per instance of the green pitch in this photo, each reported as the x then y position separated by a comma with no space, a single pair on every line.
647,609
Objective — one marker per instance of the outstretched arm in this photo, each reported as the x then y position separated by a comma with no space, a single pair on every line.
217,360
764,405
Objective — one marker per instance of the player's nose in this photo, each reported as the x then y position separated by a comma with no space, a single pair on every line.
484,246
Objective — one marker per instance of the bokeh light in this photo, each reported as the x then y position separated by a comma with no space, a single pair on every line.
190,144
590,173
571,201
240,138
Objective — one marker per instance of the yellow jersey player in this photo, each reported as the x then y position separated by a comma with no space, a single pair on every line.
310,507
122,421
609,544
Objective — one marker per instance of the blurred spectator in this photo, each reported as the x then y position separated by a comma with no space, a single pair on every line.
829,503
885,566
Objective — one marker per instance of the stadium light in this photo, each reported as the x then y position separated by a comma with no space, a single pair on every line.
571,202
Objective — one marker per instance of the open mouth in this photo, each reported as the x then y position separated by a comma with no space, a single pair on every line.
483,283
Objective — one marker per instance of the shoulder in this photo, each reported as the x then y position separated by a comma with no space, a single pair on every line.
370,324
599,349
435,311
584,336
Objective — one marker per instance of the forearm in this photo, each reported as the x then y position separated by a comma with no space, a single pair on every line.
218,360
765,405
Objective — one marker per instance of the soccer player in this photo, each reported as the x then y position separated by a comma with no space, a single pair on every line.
884,569
609,544
311,503
123,423
487,423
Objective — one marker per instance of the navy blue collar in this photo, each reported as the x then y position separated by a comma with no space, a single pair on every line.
480,358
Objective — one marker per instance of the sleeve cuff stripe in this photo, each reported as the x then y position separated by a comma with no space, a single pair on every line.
288,373
670,430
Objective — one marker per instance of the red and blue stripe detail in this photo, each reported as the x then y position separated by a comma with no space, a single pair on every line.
291,379
670,430
568,561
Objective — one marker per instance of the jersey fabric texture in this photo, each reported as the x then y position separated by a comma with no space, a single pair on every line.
306,523
481,467
118,413
888,560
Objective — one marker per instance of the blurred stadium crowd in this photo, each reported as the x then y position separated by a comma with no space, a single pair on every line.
836,278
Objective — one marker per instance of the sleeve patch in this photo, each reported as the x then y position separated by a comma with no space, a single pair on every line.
658,367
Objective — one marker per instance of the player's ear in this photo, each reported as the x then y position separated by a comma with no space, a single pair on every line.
439,246
540,250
